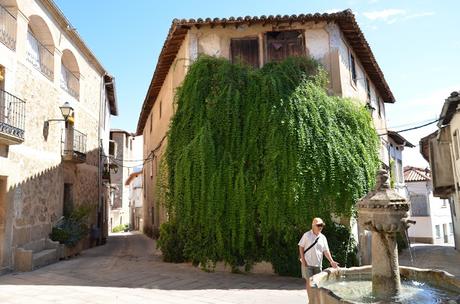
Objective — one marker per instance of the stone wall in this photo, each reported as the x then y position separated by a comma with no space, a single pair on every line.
33,171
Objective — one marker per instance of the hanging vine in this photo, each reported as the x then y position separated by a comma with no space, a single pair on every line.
254,155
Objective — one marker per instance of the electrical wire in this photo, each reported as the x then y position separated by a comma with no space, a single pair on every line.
416,127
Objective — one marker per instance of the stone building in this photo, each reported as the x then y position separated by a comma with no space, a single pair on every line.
127,155
55,105
432,214
396,144
442,150
334,39
134,182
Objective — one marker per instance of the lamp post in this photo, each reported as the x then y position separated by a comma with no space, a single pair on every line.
66,111
370,109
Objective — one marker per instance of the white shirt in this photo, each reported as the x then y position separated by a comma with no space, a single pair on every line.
314,256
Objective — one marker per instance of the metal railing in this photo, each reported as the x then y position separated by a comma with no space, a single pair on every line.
39,56
8,27
69,82
79,142
12,115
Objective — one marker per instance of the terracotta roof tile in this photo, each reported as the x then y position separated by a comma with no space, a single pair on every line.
414,174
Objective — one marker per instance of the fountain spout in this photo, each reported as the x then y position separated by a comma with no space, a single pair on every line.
384,212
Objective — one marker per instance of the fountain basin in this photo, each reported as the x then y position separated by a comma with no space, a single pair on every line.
354,285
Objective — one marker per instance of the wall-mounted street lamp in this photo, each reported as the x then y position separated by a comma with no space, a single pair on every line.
66,111
370,109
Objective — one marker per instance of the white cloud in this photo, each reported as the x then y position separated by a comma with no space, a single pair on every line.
418,15
391,16
384,14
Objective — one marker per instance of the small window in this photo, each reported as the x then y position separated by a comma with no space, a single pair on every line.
379,106
246,51
353,68
451,228
444,203
127,142
438,231
281,45
368,90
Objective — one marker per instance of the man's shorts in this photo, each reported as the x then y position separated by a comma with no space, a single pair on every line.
309,271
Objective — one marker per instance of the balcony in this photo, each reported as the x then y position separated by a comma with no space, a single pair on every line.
69,82
39,56
7,28
74,146
12,119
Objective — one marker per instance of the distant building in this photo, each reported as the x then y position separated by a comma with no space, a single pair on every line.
432,214
127,154
396,145
136,199
56,100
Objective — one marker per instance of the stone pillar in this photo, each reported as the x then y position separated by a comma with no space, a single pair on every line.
385,271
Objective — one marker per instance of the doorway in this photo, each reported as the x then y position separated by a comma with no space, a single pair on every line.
2,216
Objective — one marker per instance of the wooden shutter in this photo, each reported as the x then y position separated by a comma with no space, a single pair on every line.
281,45
245,50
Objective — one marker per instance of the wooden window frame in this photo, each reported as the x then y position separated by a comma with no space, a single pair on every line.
247,38
265,42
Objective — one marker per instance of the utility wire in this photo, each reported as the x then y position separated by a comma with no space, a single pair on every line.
416,127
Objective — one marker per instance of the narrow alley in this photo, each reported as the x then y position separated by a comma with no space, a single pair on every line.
128,269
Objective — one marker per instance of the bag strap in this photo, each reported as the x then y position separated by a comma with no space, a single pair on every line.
309,247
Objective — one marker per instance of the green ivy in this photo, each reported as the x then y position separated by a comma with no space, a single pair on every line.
253,155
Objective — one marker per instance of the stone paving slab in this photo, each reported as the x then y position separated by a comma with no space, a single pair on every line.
129,270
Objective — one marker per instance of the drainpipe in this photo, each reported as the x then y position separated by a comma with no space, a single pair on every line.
100,214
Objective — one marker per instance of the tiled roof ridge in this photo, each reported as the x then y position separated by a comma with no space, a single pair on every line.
308,17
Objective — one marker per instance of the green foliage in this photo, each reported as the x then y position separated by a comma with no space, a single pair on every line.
253,156
119,228
170,243
343,246
69,230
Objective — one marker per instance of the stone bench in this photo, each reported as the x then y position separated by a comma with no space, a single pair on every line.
36,254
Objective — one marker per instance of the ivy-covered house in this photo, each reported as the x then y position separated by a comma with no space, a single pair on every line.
334,40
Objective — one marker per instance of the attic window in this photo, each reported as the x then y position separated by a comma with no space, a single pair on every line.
281,45
353,68
245,50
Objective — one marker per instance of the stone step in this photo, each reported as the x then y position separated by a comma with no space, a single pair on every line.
44,257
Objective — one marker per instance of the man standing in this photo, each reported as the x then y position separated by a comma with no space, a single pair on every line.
312,246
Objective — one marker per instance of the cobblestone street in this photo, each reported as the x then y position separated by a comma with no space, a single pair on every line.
128,269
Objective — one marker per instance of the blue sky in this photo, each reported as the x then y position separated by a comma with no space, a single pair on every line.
416,43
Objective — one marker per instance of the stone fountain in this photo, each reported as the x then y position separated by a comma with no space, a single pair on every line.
385,213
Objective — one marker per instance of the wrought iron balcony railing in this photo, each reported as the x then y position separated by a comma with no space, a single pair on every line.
12,118
69,82
8,26
39,56
74,146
